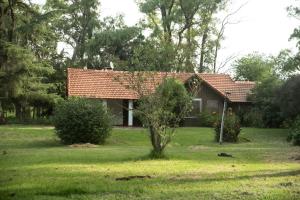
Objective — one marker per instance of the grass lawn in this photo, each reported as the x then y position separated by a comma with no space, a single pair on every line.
34,165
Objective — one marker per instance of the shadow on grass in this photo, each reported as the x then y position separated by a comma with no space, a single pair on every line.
29,193
61,190
39,144
238,178
65,192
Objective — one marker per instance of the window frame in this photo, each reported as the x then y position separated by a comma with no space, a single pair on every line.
200,106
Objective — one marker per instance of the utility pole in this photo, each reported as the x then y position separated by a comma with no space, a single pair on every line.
223,117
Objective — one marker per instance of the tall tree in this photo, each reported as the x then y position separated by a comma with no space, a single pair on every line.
77,22
220,35
113,42
292,63
206,32
253,67
25,51
177,23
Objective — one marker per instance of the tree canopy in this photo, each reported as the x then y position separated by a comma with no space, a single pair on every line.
253,67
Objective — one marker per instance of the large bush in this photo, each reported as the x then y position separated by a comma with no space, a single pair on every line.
289,95
253,118
208,119
294,135
79,120
265,98
232,128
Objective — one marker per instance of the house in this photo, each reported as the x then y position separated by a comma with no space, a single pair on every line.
114,89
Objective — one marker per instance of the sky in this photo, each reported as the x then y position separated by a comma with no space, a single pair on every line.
264,25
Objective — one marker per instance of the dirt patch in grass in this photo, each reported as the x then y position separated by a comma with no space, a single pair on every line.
197,147
128,178
85,145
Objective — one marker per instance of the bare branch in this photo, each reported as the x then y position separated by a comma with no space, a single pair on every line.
226,21
224,63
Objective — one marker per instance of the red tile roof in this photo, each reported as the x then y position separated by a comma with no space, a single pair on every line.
118,84
238,90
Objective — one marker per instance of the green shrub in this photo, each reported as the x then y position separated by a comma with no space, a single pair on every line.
287,123
253,118
232,128
294,136
207,119
79,120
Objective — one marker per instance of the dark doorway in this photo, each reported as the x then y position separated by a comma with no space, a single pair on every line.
125,112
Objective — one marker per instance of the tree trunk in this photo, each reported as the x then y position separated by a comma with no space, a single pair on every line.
34,113
11,29
27,112
202,53
215,58
18,110
38,112
156,142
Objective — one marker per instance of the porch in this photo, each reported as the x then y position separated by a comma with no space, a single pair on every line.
122,111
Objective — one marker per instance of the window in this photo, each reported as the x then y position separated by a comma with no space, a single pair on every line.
212,103
197,108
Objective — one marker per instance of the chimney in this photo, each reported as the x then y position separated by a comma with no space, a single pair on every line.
111,64
110,68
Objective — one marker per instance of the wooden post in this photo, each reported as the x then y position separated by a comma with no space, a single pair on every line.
130,112
222,122
223,117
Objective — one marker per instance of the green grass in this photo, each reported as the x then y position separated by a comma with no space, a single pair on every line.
34,165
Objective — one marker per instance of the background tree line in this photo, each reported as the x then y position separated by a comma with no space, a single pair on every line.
175,35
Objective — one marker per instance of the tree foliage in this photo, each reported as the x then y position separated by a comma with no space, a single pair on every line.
185,25
289,95
277,93
76,22
25,59
253,67
265,98
113,42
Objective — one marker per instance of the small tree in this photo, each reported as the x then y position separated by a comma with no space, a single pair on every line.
232,128
162,112
79,120
294,135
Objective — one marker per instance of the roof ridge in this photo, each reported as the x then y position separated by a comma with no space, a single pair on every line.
245,82
100,83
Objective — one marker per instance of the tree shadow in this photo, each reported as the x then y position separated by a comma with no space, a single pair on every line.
40,144
244,177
